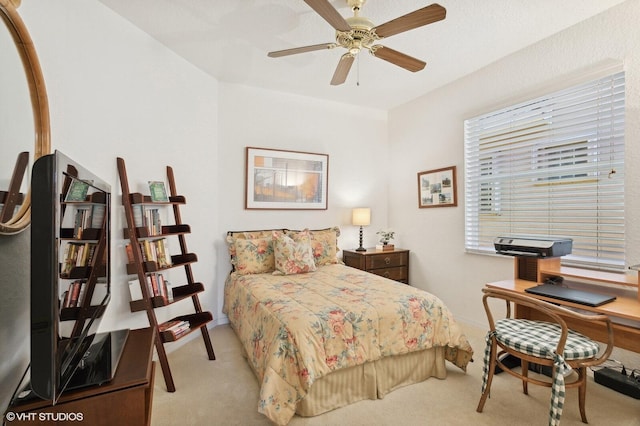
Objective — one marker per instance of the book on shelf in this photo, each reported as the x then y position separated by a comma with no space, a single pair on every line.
148,218
66,266
157,286
77,190
162,287
128,248
175,324
77,255
157,251
138,216
96,218
69,258
153,222
175,327
155,290
147,251
168,289
89,251
158,191
85,254
135,292
87,218
152,251
73,294
80,251
161,253
79,290
80,222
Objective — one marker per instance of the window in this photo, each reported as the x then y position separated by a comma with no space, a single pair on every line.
551,166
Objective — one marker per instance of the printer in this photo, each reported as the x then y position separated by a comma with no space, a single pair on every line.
533,247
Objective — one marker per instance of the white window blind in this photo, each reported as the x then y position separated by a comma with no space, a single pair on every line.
551,166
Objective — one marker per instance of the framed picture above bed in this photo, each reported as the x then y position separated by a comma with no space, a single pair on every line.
277,179
437,188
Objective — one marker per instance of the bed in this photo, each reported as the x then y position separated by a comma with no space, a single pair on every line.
320,335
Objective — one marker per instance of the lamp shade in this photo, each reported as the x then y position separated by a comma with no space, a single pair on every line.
361,216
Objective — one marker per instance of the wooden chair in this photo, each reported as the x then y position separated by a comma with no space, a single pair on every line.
548,343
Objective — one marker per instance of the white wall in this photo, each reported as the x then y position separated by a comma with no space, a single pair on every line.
428,134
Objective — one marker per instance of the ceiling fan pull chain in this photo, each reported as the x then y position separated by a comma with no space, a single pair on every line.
358,79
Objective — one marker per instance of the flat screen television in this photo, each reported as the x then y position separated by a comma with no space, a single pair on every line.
70,279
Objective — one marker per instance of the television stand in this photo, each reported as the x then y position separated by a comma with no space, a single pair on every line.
124,400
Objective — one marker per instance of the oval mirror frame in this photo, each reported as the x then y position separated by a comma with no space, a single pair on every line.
39,103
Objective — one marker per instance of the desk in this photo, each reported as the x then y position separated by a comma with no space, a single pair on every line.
125,400
627,308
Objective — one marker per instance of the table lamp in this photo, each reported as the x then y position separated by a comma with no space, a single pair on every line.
361,217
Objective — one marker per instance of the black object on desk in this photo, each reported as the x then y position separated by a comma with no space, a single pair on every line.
581,297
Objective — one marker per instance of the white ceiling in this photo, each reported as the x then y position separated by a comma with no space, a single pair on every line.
230,39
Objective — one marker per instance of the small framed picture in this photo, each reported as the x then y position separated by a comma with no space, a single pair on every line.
437,188
158,191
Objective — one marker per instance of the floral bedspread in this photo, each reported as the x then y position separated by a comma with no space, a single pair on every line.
298,328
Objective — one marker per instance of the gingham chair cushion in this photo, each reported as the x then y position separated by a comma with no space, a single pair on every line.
540,339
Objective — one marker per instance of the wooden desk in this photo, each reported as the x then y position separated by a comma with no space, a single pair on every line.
625,308
125,400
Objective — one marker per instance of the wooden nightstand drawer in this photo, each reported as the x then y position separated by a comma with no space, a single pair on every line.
398,273
392,264
386,260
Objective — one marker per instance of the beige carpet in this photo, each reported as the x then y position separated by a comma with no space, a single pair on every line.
225,392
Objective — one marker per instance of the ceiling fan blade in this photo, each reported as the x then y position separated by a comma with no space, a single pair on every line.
296,50
398,58
329,13
342,70
415,19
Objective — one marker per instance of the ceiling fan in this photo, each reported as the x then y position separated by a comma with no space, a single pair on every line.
357,33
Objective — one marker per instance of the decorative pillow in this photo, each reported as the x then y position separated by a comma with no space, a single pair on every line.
254,256
233,236
324,244
292,257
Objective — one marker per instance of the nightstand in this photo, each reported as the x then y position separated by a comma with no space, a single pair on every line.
392,264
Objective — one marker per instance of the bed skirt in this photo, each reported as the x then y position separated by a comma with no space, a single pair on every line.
372,380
